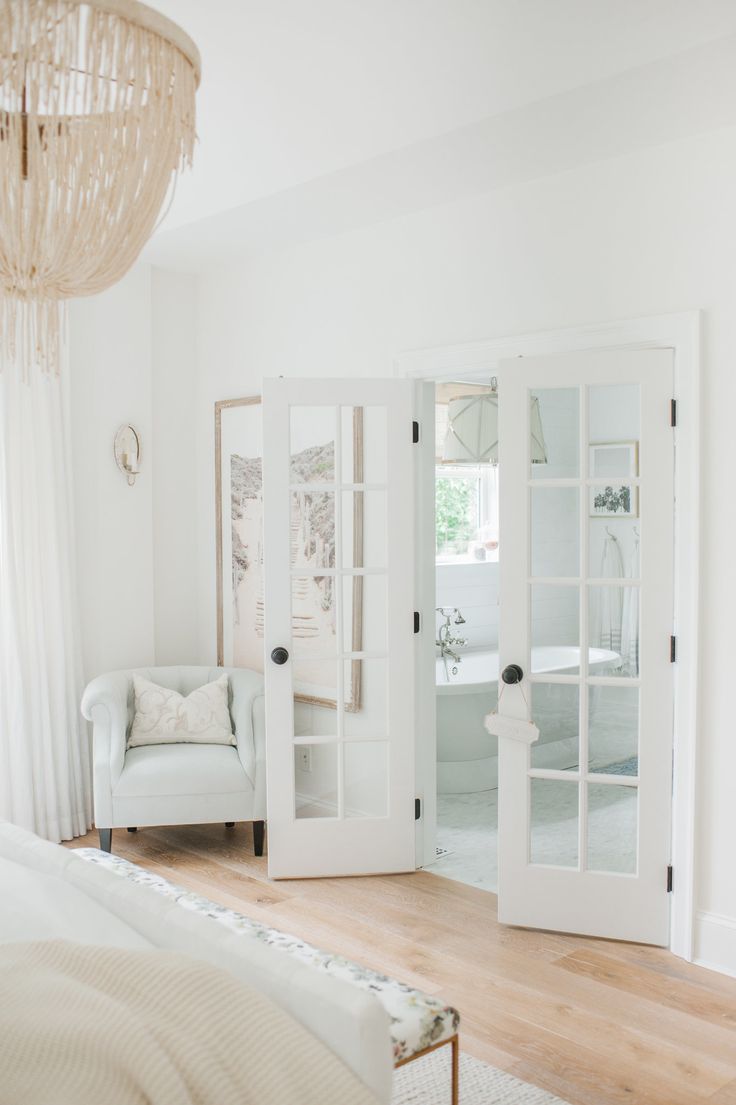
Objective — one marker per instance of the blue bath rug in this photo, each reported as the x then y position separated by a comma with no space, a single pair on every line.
624,767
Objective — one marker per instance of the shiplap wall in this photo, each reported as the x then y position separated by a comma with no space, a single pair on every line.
473,589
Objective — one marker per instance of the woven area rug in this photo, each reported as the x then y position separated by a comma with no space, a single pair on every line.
427,1082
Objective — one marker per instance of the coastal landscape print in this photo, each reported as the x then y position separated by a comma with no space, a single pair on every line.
312,538
246,560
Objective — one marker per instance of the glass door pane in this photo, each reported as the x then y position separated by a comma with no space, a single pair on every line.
342,528
584,528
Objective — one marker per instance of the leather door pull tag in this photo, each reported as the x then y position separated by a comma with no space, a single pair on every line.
511,727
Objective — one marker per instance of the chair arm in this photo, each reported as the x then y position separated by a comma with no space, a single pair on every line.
259,738
105,703
247,688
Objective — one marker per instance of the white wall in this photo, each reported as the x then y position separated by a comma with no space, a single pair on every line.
110,369
175,466
646,233
133,359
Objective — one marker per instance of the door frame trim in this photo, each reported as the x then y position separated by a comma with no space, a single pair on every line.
680,332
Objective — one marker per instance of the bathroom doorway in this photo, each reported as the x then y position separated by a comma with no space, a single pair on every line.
466,622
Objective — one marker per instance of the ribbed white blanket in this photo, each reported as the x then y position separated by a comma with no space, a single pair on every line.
82,1025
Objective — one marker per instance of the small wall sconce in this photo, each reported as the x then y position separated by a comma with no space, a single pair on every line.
127,450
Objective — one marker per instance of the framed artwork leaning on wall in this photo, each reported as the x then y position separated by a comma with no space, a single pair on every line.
239,552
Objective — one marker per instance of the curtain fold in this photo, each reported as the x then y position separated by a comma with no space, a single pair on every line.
44,742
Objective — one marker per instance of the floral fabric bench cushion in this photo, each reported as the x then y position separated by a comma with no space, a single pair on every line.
418,1021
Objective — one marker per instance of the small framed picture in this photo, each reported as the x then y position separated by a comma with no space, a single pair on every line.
617,462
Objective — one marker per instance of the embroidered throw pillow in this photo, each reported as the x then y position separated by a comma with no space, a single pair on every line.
163,716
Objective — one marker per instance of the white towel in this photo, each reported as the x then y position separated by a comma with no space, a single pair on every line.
608,611
630,617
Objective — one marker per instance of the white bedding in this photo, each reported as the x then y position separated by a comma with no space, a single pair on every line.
46,891
35,905
89,1025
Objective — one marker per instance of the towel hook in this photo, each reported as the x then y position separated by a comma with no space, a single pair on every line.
611,535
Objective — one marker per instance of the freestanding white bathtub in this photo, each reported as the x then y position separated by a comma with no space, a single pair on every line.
467,756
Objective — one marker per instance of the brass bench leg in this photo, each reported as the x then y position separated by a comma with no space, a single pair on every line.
454,1041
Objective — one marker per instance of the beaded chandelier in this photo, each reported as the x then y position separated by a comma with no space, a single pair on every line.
97,118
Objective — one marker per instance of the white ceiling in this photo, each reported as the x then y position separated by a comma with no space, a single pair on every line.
294,90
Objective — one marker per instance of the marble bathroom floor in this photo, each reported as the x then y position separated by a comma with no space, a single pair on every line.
467,828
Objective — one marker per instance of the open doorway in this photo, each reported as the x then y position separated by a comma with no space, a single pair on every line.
467,551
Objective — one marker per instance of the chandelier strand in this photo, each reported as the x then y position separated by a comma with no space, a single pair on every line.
97,118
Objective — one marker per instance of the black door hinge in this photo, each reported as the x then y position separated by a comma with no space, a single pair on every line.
673,650
415,433
669,879
673,412
417,621
417,808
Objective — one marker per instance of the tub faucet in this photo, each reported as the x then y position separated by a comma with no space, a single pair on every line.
446,641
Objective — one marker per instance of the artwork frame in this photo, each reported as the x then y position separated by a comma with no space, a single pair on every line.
237,419
617,461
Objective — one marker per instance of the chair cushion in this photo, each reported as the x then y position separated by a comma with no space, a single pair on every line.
164,716
181,769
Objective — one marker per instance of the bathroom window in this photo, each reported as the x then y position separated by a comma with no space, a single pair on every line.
466,513
466,495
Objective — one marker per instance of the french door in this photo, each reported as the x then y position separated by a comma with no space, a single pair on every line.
586,526
339,626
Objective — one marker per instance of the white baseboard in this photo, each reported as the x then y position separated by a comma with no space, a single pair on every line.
715,942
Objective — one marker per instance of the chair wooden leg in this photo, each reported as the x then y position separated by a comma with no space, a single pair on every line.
132,828
105,839
258,833
229,824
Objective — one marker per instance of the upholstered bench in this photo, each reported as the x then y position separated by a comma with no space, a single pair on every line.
420,1023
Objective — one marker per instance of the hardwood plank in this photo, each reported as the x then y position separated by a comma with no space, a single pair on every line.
661,961
725,1096
588,1077
699,1001
680,1068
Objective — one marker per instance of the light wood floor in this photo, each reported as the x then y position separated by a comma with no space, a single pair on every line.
597,1022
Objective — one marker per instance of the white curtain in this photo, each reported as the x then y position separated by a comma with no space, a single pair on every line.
44,749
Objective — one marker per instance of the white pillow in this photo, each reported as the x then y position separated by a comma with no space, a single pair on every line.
37,905
163,716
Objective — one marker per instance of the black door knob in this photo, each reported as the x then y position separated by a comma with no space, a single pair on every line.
279,656
512,674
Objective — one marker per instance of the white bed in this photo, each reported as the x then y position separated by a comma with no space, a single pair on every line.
49,893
